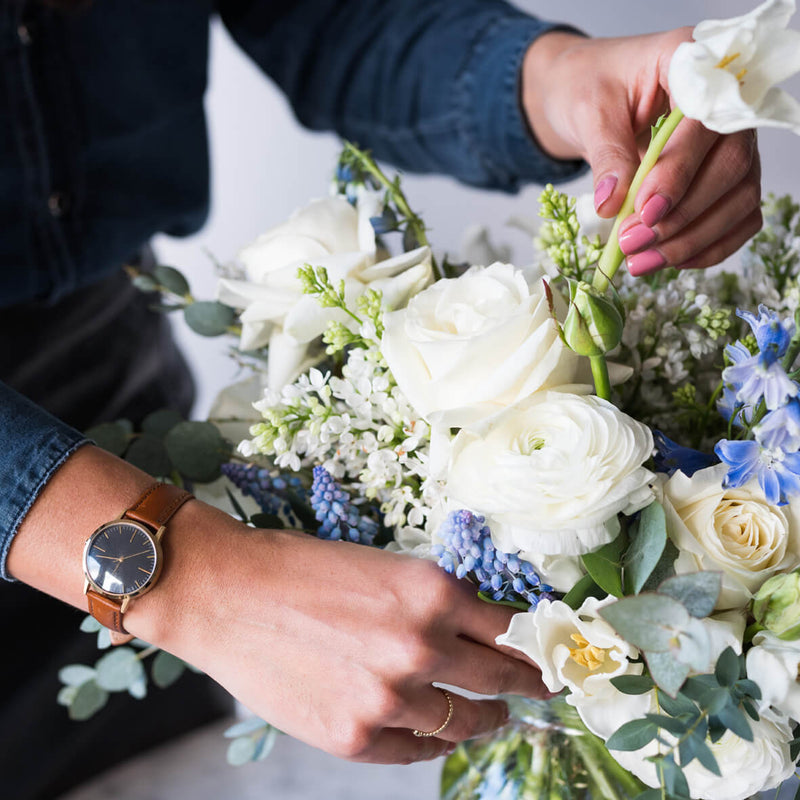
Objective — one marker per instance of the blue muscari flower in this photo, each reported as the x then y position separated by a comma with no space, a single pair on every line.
671,457
752,378
466,549
269,491
778,473
772,333
780,428
339,518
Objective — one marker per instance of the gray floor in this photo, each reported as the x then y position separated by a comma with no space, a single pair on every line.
194,768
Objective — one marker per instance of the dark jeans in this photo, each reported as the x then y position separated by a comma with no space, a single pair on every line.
98,355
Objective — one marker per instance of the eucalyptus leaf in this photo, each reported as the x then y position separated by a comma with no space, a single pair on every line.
650,794
166,669
674,779
698,591
677,706
76,674
245,727
144,283
693,645
159,423
668,673
209,317
66,695
633,735
88,700
171,279
111,436
632,684
265,743
148,453
733,719
671,724
138,688
103,638
90,625
605,565
585,587
197,450
695,747
241,751
664,569
119,669
728,667
648,540
648,621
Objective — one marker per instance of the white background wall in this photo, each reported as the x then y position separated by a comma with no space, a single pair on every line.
264,165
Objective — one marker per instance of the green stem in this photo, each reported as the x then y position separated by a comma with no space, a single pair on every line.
612,256
602,382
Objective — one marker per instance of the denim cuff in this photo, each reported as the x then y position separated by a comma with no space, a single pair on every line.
490,97
35,445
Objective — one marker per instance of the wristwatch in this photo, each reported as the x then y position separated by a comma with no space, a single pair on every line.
122,559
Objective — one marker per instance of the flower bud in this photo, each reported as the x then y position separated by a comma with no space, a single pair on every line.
594,323
777,605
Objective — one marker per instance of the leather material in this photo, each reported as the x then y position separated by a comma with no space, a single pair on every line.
154,508
157,504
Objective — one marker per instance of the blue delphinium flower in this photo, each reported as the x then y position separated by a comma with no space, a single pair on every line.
772,333
339,517
781,428
467,549
753,378
778,473
671,457
269,491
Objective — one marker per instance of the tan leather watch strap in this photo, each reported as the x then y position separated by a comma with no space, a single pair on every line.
105,611
158,504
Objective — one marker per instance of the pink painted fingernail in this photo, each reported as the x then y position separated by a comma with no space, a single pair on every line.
636,238
603,190
654,210
645,263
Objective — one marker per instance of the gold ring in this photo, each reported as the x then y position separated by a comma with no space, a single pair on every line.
449,698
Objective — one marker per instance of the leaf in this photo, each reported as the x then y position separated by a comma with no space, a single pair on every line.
90,625
668,673
648,621
605,565
66,695
209,317
268,521
695,747
241,751
111,436
245,727
674,779
585,587
172,280
650,794
733,719
265,743
237,507
197,450
144,283
633,735
632,684
138,688
160,422
166,669
676,706
693,646
648,540
714,700
728,667
671,724
88,700
698,591
664,569
76,674
119,669
148,453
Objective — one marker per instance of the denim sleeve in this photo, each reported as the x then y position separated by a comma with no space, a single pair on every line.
35,444
429,85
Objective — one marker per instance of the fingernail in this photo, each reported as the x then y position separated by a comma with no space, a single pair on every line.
645,263
636,238
654,210
603,190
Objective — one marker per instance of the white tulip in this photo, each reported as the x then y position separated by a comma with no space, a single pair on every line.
727,77
773,664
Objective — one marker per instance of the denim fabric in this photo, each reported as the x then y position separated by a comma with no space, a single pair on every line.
103,139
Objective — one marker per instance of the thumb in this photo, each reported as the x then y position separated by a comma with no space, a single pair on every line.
613,155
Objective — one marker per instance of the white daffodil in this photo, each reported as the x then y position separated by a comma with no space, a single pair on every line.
726,78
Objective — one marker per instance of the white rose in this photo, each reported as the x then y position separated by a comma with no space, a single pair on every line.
773,664
735,531
469,346
551,473
327,233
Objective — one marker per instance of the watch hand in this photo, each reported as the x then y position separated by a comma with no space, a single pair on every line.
131,555
110,558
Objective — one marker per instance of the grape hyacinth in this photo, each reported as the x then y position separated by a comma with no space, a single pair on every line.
467,549
269,491
339,516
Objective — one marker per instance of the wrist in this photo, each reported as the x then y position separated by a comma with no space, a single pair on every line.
540,65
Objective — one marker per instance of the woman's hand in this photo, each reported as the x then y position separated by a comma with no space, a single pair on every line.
597,98
334,643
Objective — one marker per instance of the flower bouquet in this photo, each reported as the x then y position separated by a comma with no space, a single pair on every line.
622,464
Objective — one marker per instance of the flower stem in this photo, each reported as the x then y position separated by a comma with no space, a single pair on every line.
602,382
612,256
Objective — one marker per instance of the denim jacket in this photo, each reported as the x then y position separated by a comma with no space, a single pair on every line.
103,137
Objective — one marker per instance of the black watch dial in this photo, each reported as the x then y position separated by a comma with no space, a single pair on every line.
121,558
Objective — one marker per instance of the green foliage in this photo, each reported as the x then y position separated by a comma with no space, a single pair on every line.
253,740
197,449
148,453
605,565
171,280
209,318
166,669
111,436
585,587
648,543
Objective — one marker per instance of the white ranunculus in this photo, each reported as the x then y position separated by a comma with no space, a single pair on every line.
773,664
735,531
466,347
551,473
727,78
327,233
